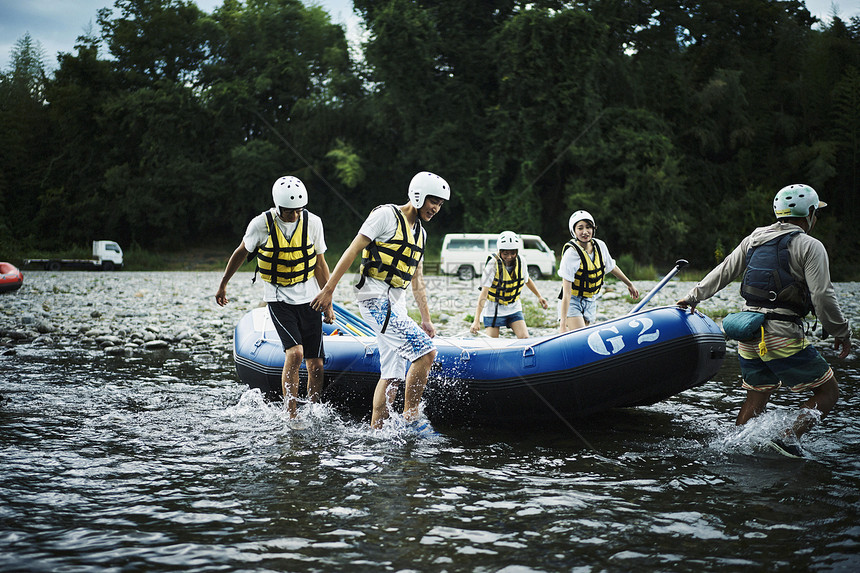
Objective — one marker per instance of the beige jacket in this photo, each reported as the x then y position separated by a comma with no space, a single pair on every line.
809,265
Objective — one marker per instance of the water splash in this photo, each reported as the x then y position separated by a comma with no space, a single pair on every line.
753,437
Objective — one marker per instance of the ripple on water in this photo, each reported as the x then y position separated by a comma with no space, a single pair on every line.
154,464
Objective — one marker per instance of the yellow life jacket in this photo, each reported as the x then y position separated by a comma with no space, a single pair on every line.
507,286
396,260
589,277
283,262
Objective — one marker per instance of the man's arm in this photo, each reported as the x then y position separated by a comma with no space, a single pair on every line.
716,280
323,300
321,273
420,293
236,259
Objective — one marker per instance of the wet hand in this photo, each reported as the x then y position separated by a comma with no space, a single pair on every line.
428,327
221,297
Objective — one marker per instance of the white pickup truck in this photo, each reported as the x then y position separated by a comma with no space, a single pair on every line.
107,256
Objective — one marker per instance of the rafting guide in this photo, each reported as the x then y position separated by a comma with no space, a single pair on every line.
786,275
289,245
391,242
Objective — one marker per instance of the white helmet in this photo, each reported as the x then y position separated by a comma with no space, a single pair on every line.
509,241
289,192
577,217
796,201
426,184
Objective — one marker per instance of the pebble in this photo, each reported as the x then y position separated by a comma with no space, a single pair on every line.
125,314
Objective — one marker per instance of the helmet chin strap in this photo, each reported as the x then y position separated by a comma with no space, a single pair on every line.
810,217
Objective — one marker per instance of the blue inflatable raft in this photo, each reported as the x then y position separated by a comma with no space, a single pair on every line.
636,360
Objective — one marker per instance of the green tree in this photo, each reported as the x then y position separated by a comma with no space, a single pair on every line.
549,68
281,85
73,182
25,134
630,179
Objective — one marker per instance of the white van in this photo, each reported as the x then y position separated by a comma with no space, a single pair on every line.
465,254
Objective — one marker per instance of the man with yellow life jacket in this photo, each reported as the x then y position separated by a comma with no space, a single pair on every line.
289,245
501,284
391,242
585,260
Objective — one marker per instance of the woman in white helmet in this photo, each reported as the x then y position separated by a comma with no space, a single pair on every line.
289,245
501,284
782,355
585,261
391,243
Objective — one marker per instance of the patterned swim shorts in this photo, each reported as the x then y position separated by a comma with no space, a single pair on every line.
790,361
403,341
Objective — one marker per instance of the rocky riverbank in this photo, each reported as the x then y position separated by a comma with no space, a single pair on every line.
129,313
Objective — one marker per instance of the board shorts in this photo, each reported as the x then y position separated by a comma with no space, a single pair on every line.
789,361
503,320
586,307
403,341
299,324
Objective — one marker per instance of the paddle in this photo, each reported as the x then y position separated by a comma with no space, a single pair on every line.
679,264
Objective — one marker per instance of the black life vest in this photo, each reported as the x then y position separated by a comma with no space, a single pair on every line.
768,282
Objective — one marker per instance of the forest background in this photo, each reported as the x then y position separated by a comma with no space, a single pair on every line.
673,123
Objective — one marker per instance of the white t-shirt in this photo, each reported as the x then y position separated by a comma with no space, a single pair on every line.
257,234
570,262
490,306
381,225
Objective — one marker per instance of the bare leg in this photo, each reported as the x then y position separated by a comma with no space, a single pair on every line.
290,377
315,378
492,331
520,329
383,399
753,406
575,322
416,380
823,399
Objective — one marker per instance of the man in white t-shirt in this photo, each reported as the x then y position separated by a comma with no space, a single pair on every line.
290,249
391,242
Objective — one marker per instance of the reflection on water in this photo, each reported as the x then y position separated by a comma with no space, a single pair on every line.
163,463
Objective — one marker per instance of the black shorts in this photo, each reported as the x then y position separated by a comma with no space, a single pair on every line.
299,324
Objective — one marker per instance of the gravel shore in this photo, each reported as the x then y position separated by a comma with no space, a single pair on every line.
128,313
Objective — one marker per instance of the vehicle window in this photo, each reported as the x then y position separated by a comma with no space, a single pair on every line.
466,244
534,244
113,248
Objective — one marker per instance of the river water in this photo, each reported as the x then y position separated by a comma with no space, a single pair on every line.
163,461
